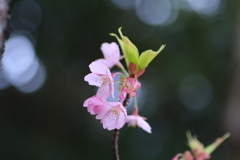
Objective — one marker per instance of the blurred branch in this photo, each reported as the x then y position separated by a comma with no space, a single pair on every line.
3,23
233,105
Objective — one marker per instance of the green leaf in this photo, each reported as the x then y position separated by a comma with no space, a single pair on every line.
210,148
119,41
147,56
130,51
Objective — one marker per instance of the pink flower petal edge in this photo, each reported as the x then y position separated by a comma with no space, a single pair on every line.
111,54
136,120
93,104
177,156
101,77
113,116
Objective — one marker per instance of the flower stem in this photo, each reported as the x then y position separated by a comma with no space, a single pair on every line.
116,133
119,65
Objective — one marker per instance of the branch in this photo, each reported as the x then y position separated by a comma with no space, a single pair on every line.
116,133
126,100
115,144
3,24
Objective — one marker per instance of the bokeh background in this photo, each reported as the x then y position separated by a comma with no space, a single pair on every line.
192,85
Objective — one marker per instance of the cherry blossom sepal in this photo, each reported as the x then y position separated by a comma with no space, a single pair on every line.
133,72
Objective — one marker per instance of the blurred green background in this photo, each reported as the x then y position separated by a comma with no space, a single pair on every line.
189,86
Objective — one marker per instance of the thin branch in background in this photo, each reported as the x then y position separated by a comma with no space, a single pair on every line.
3,24
233,101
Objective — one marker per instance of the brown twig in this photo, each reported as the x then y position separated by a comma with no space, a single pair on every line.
116,133
126,101
115,144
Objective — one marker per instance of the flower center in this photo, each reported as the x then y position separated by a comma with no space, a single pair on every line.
115,112
105,80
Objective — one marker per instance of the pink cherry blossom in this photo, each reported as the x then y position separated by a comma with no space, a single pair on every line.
111,54
94,104
186,156
197,148
177,156
201,156
112,115
100,77
130,86
136,120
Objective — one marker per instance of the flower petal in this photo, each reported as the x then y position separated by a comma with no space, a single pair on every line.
104,91
114,117
136,120
93,104
144,125
177,156
121,120
98,68
93,79
111,53
104,61
131,120
102,111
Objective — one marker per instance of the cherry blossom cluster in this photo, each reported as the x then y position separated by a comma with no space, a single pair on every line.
198,151
113,115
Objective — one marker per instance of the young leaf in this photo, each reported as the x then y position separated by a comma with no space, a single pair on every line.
147,56
210,148
130,51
